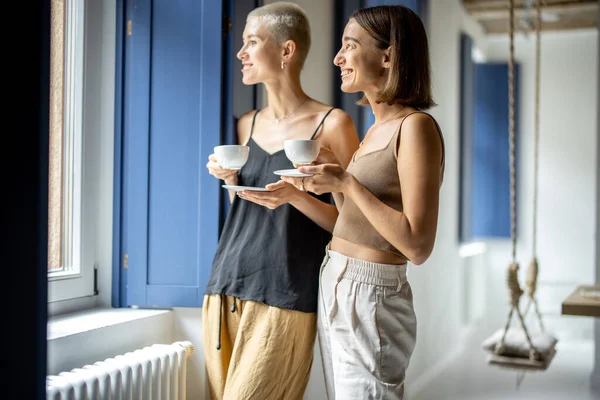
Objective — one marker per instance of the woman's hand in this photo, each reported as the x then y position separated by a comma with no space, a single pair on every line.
326,156
327,178
278,193
215,169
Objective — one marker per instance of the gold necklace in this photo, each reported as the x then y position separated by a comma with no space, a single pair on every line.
393,115
278,120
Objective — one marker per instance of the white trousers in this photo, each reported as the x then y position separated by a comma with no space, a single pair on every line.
367,328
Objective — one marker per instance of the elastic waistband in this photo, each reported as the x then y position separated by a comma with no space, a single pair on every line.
369,272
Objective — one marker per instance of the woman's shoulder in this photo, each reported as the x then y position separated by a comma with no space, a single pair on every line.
332,117
247,118
417,119
420,129
422,124
338,123
244,126
340,117
338,129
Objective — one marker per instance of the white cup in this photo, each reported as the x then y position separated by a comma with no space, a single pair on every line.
301,151
232,156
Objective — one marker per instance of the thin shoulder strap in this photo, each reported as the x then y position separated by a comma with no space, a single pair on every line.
253,121
396,137
408,115
438,129
323,120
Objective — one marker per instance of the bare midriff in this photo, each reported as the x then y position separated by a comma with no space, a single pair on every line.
355,250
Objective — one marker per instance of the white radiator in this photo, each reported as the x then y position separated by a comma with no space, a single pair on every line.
155,372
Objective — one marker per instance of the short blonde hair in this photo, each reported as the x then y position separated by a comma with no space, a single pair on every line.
287,21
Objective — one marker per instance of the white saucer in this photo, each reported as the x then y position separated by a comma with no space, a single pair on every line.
236,188
294,173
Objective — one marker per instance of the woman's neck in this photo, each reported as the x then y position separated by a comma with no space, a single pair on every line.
284,97
383,112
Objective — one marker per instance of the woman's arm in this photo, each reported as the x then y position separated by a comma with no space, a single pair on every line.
243,128
412,231
343,142
322,214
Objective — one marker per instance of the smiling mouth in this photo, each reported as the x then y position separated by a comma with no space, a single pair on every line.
246,67
346,73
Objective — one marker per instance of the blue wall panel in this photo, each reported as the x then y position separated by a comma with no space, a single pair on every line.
171,122
490,183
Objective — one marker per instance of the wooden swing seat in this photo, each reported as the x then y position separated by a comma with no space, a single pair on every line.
521,363
585,300
516,350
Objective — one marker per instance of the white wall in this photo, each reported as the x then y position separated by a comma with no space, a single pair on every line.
439,284
316,75
567,177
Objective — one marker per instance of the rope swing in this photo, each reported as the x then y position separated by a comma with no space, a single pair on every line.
516,348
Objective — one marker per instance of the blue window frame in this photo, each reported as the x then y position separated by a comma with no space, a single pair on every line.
484,168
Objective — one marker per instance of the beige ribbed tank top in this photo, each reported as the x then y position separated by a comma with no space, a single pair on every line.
378,172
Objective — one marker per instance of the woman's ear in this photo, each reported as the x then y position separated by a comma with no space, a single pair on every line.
387,57
289,49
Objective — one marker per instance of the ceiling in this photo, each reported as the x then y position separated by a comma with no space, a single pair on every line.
557,15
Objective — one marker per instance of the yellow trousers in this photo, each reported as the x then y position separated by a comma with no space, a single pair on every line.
255,351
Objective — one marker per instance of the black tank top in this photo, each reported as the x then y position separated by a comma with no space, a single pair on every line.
269,256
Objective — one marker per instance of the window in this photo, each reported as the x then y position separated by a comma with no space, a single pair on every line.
69,276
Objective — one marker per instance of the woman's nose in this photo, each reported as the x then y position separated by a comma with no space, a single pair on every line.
240,54
337,60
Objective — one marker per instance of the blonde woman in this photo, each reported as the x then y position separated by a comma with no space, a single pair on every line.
259,315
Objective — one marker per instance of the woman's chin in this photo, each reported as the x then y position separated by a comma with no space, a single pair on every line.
246,80
346,88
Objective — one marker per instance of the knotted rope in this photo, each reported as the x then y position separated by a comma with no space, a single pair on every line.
512,278
532,270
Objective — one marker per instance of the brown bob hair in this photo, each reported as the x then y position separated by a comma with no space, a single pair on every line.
409,79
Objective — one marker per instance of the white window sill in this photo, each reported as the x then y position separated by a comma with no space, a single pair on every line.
84,321
471,249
